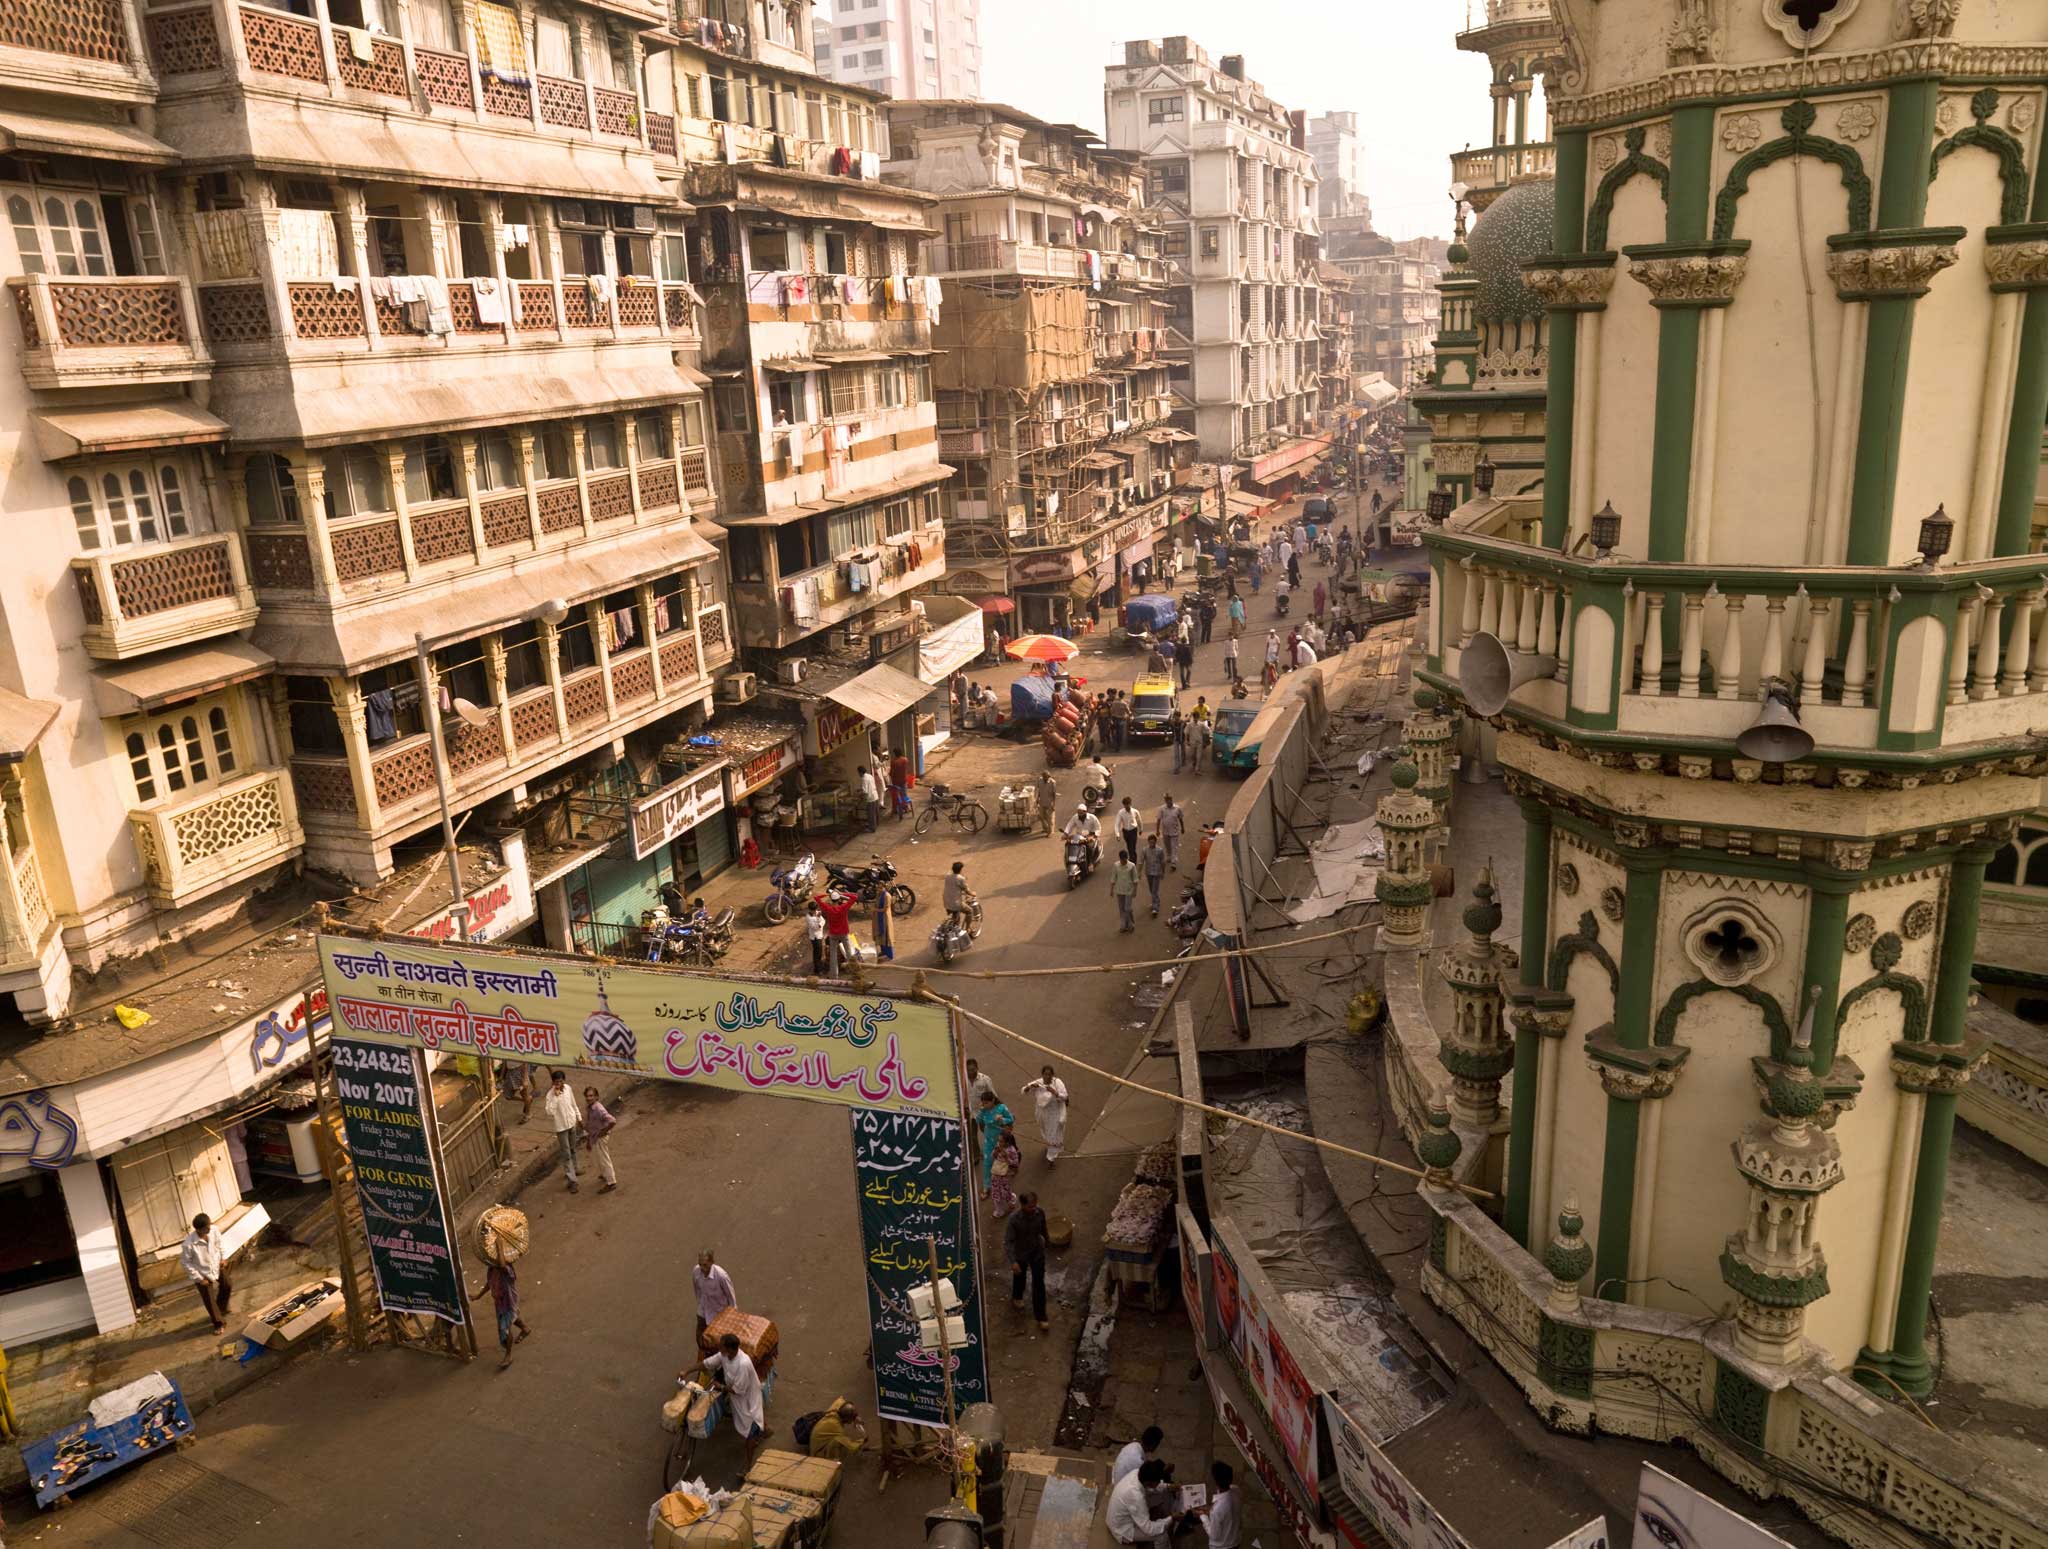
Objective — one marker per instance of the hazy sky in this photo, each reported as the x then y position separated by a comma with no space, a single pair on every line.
1393,62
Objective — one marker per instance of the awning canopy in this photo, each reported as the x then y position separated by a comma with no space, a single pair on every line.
22,722
125,427
879,693
1379,394
848,357
789,365
56,134
176,676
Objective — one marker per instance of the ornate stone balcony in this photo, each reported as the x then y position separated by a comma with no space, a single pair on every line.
110,331
136,601
217,836
27,928
1890,664
1488,170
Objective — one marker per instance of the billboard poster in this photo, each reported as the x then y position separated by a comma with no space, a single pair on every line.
1381,1492
1194,1277
1271,1373
739,1035
911,1172
1672,1513
405,1220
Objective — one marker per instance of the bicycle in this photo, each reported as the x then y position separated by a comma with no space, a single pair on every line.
964,811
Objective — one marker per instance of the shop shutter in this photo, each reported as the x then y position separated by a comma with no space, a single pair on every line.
714,845
165,1182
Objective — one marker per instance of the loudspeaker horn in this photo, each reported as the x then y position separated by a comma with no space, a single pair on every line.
1775,736
1488,672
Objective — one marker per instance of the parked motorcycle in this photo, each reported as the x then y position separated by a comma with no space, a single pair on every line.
866,882
1081,859
701,939
952,935
792,885
1188,917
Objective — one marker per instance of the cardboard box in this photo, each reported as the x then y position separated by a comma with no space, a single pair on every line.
259,1329
730,1527
796,1474
783,1520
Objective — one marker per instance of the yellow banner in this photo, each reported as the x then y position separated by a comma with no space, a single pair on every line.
741,1035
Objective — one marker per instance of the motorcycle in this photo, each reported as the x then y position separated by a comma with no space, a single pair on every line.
867,882
1280,600
1188,917
1096,798
793,884
952,936
1081,859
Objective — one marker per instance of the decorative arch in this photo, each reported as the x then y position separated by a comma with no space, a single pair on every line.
2012,157
1636,161
1666,1030
1798,140
1912,997
1584,942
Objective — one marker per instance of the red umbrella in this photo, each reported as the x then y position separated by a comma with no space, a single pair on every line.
996,605
1041,648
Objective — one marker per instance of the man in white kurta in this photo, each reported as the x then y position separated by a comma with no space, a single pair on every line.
1049,1093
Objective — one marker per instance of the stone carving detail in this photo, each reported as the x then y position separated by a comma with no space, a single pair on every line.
2014,1088
1613,904
2017,265
1740,132
1907,270
1850,854
254,814
2022,113
1572,287
1660,141
1606,151
1918,920
1456,457
1804,25
1861,931
1856,121
1568,879
1945,115
1730,942
1694,37
1522,365
1697,279
1927,18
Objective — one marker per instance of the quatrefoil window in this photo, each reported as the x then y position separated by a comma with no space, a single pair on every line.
1730,942
1731,945
1807,23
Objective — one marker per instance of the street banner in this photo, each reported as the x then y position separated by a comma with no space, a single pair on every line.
1272,1375
1381,1492
740,1035
383,1099
1669,1511
1592,1536
911,1171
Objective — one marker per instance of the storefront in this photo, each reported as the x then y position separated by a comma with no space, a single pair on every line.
1042,585
690,820
953,641
1278,473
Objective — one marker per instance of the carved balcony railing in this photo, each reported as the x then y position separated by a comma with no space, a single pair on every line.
26,924
217,835
108,331
1887,662
141,600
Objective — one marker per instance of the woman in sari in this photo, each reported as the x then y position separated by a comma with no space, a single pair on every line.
1007,1162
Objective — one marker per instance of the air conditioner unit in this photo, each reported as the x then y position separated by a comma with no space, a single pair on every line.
736,688
790,671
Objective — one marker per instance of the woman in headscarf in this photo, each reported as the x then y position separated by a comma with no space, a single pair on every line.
994,1118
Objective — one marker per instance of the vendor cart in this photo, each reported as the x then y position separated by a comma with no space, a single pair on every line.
697,1409
1017,809
88,1451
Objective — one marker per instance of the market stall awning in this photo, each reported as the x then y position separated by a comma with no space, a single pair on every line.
22,722
174,676
879,693
125,427
1287,459
54,133
1379,394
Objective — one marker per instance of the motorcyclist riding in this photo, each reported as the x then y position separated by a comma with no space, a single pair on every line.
1085,825
1096,774
959,897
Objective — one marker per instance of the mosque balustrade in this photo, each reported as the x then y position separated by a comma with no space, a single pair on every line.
1885,660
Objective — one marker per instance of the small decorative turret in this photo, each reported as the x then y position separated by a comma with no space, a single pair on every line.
1430,730
1406,820
1476,1048
1439,1146
1774,1265
1567,1258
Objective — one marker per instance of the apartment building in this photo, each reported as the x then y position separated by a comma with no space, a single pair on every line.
333,329
1230,169
925,49
1053,400
1397,312
818,343
1340,168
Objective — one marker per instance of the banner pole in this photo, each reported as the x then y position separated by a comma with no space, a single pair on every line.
931,1248
423,1079
327,1105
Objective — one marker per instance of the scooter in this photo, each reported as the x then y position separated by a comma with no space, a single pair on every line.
793,884
1081,858
952,936
1281,596
1096,798
1188,918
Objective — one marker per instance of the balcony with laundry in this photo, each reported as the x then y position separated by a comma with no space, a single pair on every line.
772,32
351,547
514,302
795,575
544,97
528,695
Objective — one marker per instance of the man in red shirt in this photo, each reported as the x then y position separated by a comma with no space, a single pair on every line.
838,932
901,782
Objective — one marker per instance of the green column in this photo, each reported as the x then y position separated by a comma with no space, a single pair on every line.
1827,920
2029,406
1632,1018
1910,1366
1568,236
1528,1044
1678,344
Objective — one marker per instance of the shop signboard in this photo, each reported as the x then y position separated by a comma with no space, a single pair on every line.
766,765
1041,568
1299,1517
837,726
915,1200
1380,1491
36,1131
739,1035
496,909
287,1026
1272,1374
383,1096
1194,1278
677,807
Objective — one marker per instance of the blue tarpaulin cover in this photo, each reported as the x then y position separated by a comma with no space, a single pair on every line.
1031,699
1153,611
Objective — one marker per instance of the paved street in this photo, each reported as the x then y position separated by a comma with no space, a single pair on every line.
401,1447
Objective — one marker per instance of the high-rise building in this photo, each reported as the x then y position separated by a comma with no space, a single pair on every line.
1340,167
901,48
1231,171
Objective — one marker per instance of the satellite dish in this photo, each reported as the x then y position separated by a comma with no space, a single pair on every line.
473,713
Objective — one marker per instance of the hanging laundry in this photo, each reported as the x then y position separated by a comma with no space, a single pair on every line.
307,248
842,161
380,719
488,301
440,316
728,152
359,46
500,46
870,165
849,287
513,236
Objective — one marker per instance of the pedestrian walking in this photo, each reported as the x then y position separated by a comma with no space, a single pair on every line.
1293,649
1169,826
202,1256
901,779
1024,1245
871,797
1048,803
1185,660
560,1105
1049,1096
1230,658
714,1290
838,913
994,1117
1207,614
814,933
885,928
1322,596
1128,824
742,1384
1294,570
1002,1173
515,1084
1153,864
598,1124
1273,649
977,1084
1177,730
502,1281
1236,621
1123,887
1198,743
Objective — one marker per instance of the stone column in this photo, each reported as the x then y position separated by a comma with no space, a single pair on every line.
2017,261
355,738
1622,1056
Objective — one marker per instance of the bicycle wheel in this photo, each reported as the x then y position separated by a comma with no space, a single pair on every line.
675,1463
974,816
926,816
